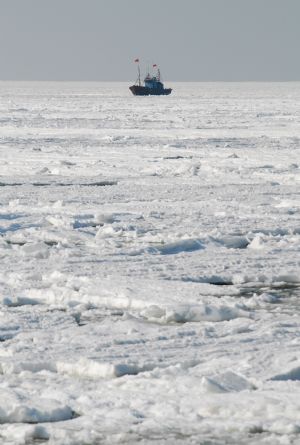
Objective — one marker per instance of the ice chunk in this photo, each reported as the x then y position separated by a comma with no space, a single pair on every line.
229,381
19,301
233,241
15,408
16,367
36,250
292,374
257,243
180,246
85,368
193,313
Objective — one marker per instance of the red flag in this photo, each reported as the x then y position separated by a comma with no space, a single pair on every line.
154,65
137,60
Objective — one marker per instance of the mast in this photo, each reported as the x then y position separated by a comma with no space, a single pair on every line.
139,75
139,71
158,74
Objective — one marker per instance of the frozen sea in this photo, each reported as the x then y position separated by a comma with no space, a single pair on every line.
150,259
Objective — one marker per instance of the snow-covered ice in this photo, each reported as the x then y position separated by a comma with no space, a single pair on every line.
150,259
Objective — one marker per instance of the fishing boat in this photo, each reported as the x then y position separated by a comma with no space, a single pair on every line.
153,85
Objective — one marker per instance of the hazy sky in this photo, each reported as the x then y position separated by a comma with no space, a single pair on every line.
189,39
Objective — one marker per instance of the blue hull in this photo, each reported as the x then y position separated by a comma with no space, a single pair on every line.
138,90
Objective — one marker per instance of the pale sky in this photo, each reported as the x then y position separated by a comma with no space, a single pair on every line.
191,40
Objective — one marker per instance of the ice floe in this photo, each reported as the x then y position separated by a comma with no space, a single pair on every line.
150,264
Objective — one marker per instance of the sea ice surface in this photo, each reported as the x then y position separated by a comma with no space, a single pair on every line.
150,259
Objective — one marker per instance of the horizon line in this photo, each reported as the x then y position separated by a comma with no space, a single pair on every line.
169,80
